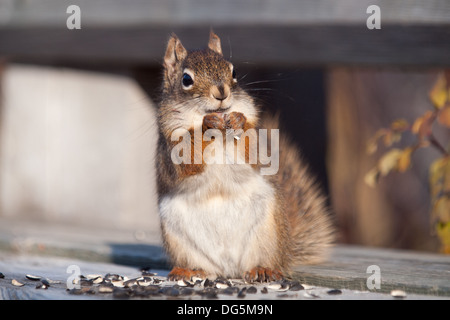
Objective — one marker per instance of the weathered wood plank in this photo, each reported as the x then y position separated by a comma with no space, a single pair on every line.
37,13
321,32
413,272
16,266
393,45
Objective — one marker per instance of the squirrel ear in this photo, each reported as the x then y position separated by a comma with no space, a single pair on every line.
214,43
175,53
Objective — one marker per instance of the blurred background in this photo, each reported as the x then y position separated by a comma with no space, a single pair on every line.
77,108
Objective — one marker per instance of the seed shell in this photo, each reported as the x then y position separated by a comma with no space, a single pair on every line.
252,290
398,294
16,283
241,293
334,292
32,277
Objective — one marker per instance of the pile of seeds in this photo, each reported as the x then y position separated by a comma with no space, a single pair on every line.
152,285
41,283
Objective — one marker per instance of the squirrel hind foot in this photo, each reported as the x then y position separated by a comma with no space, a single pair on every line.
260,274
178,273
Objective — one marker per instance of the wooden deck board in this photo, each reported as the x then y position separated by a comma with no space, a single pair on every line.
287,32
414,272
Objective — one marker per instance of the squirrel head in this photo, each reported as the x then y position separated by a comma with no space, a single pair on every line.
203,79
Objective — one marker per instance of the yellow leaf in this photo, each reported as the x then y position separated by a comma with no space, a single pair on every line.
443,231
404,161
436,177
389,161
422,125
372,143
371,177
400,125
441,209
439,93
417,124
444,116
391,137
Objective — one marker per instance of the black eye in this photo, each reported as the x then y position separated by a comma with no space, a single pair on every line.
234,74
187,80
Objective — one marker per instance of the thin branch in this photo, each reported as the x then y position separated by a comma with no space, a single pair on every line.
436,143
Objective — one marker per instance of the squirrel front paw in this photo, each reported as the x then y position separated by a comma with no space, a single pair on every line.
213,121
260,274
235,120
178,273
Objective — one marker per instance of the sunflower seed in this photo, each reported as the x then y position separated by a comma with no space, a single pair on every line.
97,280
146,273
334,292
53,281
45,282
198,283
241,293
118,283
93,276
220,285
284,286
264,290
85,283
16,283
33,278
208,283
144,283
105,289
129,283
113,277
41,286
2,275
252,290
307,286
221,280
182,283
274,286
296,286
398,294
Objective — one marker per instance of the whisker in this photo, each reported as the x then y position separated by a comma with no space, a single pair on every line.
243,77
263,81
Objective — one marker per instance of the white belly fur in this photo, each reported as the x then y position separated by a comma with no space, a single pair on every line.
219,219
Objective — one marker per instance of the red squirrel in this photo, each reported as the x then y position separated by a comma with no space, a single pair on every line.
228,219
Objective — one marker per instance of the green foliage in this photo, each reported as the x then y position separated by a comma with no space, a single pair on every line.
399,160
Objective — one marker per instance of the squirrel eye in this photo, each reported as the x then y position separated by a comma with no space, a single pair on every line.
187,80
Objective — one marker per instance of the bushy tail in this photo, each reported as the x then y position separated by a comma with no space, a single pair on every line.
311,231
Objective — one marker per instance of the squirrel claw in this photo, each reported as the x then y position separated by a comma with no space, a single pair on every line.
213,121
260,274
235,120
178,273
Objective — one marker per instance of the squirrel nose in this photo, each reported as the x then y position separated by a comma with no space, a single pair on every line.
220,92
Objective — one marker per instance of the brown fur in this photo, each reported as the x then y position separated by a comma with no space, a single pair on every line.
299,219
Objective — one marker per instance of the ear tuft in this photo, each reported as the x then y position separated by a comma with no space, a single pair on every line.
214,43
175,53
